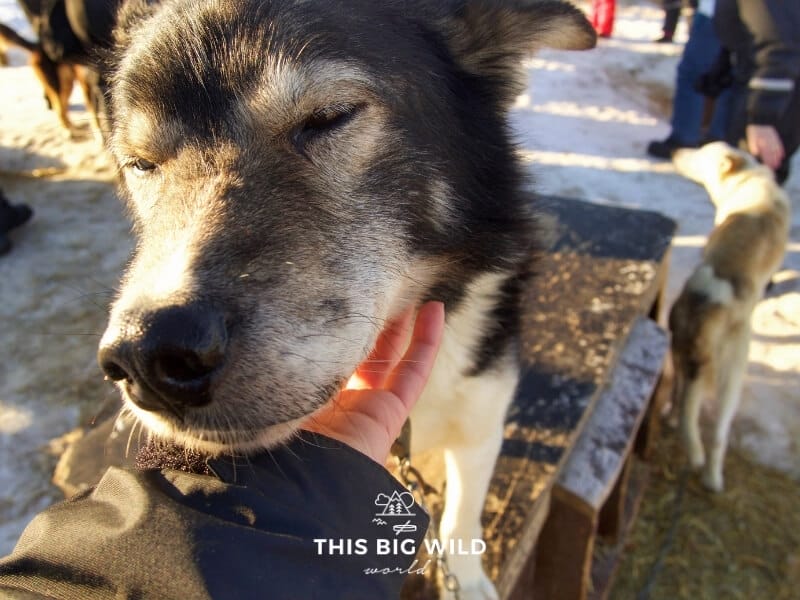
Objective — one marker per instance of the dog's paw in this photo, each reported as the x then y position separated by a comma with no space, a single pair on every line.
482,589
713,481
697,458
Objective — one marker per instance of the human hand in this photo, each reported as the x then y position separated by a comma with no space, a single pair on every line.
369,413
763,141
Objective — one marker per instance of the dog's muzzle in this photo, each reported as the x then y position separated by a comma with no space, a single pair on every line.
166,359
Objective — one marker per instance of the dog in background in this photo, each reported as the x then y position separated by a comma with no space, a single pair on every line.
299,175
71,38
710,321
57,78
3,51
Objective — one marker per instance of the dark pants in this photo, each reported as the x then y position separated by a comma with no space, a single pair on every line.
672,13
699,55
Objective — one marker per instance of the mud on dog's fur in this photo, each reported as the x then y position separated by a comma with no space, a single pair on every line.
710,321
298,174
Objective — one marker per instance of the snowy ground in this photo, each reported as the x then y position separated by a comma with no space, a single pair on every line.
583,128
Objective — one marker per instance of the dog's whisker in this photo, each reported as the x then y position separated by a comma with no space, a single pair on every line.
233,461
104,289
289,449
67,333
130,439
230,432
84,296
353,316
386,361
277,464
313,361
144,435
104,286
327,335
399,362
376,361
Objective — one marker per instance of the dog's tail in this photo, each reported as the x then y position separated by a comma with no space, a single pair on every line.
13,38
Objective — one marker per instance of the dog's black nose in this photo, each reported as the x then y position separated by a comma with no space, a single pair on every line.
169,358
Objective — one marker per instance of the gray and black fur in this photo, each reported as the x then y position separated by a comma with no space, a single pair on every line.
299,172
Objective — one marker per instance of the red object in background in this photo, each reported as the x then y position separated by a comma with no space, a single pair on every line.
603,16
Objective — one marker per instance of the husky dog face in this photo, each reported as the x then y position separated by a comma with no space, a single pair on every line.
298,172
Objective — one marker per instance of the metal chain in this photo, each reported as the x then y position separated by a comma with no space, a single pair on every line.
417,485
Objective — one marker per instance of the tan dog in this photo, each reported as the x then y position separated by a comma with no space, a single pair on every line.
710,321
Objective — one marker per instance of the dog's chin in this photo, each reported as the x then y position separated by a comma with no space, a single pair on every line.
216,442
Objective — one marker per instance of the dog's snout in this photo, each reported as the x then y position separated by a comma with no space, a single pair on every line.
171,359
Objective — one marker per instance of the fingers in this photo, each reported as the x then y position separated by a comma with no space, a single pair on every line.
370,419
411,374
392,341
383,412
763,141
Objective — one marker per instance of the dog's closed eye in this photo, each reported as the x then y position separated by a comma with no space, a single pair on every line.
322,122
142,166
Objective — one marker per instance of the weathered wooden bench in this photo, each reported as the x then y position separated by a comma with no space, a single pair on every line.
594,354
590,493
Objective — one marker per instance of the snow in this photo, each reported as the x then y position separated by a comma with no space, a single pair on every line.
583,126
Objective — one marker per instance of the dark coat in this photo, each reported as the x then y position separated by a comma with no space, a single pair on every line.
245,531
764,39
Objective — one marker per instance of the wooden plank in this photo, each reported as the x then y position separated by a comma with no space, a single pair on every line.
604,270
608,554
599,455
612,515
520,589
564,551
591,489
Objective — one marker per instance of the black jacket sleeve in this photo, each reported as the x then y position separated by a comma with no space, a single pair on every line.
313,519
765,37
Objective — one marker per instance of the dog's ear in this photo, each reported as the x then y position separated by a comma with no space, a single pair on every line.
130,14
731,161
489,38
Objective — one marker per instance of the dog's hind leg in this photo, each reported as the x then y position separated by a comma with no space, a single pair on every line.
90,92
730,376
53,80
673,414
691,404
66,81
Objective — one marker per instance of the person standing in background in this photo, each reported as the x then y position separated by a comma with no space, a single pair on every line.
763,37
603,17
688,105
672,13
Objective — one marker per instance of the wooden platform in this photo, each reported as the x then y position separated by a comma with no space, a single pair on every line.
604,272
590,493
